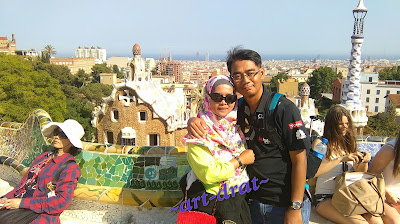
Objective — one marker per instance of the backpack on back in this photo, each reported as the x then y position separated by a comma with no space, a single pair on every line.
273,131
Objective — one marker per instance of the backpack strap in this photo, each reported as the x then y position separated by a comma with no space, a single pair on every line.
274,101
240,114
240,102
269,114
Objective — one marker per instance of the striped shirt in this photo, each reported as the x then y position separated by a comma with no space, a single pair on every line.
49,208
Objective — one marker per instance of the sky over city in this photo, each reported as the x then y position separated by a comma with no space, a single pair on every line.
184,27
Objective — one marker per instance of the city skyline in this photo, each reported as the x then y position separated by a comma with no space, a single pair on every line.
275,28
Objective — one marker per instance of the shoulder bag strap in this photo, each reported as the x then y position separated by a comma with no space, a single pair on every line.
57,176
216,199
375,188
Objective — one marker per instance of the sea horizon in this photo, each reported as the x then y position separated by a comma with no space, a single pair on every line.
265,57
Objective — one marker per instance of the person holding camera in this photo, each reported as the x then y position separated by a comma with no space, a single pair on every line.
341,156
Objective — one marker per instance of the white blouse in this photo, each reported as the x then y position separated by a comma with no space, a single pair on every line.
392,183
326,182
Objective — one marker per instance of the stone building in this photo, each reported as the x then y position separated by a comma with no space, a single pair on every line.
336,90
395,100
108,78
74,64
8,46
289,87
139,112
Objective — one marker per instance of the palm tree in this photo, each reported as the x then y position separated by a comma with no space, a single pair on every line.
197,96
49,50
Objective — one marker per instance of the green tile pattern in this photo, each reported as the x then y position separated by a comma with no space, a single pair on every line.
132,171
143,167
27,142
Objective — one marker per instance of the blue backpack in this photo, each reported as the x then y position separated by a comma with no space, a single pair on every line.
273,130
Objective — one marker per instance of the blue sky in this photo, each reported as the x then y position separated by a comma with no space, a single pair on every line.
271,27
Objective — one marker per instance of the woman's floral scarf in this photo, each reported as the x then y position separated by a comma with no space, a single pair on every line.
224,138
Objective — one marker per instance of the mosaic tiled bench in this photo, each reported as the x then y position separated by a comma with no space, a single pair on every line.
126,175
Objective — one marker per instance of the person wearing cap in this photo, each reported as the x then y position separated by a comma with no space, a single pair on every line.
31,192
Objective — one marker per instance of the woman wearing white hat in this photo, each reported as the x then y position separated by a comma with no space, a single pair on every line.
36,192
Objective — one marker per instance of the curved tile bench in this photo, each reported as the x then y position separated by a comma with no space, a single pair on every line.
126,175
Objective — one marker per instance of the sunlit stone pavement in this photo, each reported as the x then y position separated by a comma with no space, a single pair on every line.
81,211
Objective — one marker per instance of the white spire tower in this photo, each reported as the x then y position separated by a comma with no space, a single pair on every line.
351,88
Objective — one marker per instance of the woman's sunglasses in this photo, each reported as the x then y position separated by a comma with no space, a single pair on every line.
217,97
60,134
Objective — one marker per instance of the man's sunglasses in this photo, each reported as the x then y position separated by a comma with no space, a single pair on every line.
60,134
217,97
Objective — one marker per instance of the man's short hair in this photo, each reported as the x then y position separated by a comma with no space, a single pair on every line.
239,54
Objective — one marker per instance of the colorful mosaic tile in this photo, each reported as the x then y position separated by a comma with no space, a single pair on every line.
141,176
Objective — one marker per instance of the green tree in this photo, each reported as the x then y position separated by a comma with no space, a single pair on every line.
386,124
97,69
23,89
59,72
274,81
82,78
321,81
47,52
94,92
197,97
392,73
154,72
115,69
80,109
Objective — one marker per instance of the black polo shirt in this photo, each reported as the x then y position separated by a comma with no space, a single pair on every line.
271,162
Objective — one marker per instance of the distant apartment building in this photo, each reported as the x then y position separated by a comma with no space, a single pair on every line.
30,53
289,87
343,69
336,90
186,76
368,68
74,64
266,80
171,68
182,91
271,71
374,91
99,54
301,77
149,64
199,77
8,46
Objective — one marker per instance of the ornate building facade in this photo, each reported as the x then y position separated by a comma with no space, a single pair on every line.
139,112
8,46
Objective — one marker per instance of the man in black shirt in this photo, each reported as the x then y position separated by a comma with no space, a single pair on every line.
280,200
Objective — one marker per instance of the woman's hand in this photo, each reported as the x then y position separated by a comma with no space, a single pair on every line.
355,157
196,128
247,157
12,203
367,157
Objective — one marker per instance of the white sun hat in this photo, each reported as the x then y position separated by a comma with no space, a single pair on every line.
72,129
